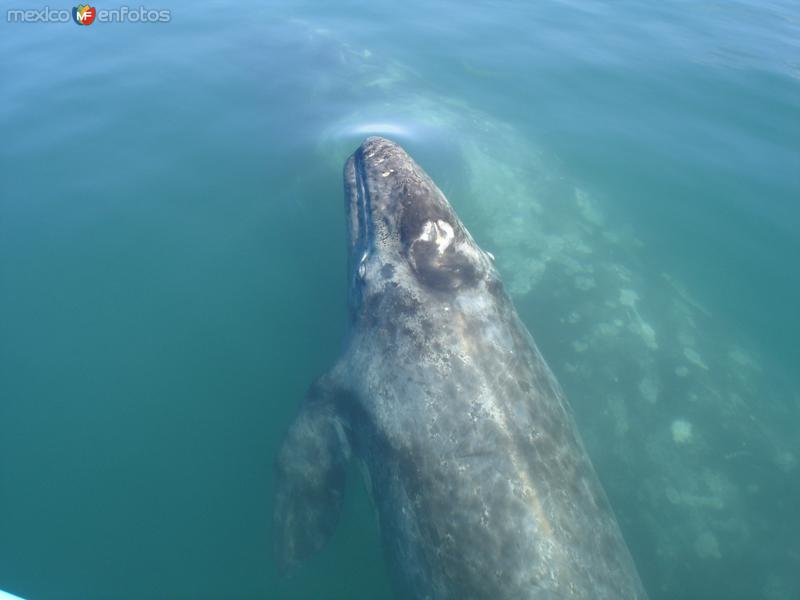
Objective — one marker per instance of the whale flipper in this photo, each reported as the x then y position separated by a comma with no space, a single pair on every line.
311,473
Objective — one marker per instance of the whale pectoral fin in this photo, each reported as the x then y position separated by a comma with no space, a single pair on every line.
310,478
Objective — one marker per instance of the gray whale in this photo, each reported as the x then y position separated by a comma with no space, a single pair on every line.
481,483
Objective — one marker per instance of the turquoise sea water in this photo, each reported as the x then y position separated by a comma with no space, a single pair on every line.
172,271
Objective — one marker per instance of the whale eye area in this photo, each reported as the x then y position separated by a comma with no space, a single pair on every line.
431,243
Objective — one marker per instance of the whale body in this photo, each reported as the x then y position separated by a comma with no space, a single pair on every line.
471,455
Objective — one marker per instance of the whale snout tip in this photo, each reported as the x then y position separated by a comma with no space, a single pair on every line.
373,143
379,158
375,139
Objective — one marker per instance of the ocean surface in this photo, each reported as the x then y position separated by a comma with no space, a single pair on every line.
172,271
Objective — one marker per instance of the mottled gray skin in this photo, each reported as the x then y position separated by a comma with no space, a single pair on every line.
482,486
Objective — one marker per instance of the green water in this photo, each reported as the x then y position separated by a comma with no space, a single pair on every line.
172,271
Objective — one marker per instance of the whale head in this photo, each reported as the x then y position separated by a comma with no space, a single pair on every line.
403,235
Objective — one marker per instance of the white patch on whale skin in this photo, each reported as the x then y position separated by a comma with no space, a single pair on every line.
425,236
440,233
362,266
445,237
